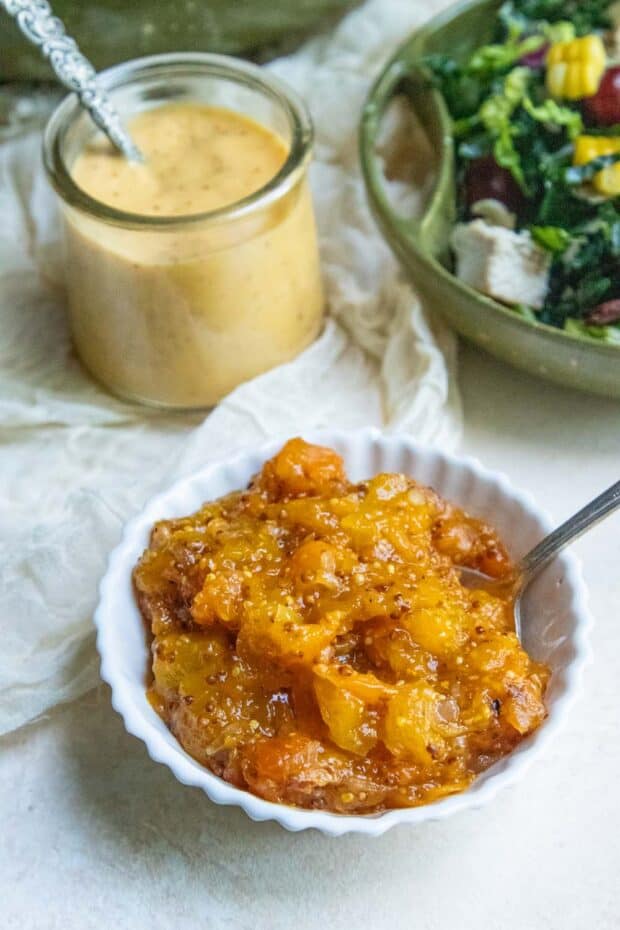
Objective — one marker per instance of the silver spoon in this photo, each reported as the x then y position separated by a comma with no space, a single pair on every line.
537,558
38,23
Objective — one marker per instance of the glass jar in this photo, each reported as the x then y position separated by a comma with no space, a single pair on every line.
178,310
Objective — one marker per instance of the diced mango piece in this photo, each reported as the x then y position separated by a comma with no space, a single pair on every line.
351,722
414,726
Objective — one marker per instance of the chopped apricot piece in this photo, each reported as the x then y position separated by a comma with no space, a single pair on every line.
219,598
302,469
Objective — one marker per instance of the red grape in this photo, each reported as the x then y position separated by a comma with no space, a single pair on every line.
486,180
603,109
605,313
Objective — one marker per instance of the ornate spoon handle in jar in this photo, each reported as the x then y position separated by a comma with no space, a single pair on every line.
38,23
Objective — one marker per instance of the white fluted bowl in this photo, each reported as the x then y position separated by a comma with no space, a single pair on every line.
556,617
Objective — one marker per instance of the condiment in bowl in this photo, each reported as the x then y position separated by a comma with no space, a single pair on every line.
555,631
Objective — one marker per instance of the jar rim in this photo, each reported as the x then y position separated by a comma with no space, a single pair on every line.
224,66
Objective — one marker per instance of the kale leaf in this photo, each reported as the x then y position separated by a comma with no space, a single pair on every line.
585,15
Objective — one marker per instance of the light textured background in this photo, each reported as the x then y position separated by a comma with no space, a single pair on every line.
95,835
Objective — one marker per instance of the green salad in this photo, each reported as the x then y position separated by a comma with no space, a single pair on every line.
536,118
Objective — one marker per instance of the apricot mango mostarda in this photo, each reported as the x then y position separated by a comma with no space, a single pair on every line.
312,642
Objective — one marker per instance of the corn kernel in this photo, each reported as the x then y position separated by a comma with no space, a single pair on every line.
587,148
607,181
575,69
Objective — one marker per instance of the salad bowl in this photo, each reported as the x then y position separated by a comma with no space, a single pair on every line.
422,244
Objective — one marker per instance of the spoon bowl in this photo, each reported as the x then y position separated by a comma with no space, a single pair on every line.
503,588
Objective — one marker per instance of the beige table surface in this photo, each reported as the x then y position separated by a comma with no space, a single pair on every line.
95,835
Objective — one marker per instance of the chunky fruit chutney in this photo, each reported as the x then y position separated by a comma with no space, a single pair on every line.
313,644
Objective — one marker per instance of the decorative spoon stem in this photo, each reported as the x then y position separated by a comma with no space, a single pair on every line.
546,550
38,23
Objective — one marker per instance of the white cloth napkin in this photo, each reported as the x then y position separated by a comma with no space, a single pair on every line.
75,463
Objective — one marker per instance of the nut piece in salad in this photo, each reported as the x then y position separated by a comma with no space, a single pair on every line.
536,122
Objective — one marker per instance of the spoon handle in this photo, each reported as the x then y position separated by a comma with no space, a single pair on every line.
575,526
43,29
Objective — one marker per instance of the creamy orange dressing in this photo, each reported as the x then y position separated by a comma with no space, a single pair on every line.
181,315
197,158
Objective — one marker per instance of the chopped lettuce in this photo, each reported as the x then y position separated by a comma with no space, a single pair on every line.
553,238
609,334
498,57
552,114
562,31
496,117
525,311
495,113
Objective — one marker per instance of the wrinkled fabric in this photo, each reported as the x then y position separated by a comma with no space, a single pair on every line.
75,462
